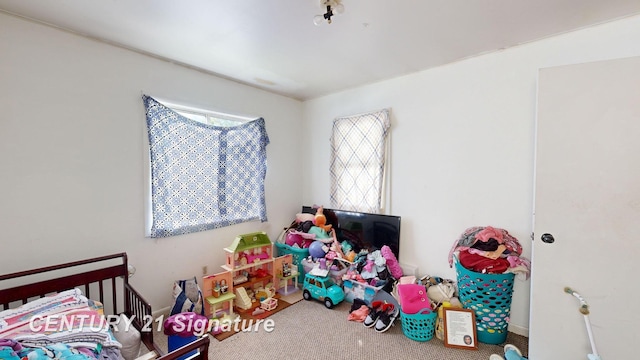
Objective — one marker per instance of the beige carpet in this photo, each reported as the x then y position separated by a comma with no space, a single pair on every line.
308,330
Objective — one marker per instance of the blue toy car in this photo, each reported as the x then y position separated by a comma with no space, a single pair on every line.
323,289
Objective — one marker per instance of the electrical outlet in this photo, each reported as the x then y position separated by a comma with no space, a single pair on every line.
204,270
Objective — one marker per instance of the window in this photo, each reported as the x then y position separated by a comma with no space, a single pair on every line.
208,117
358,145
207,170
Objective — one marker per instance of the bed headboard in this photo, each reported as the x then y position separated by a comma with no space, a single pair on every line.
108,276
52,284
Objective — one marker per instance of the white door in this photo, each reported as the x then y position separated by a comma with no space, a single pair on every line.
587,196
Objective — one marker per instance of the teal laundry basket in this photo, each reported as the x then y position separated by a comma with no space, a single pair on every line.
420,326
489,296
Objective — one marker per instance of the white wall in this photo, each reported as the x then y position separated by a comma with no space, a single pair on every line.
462,143
71,155
71,145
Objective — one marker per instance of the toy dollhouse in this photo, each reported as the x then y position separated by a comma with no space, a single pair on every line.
249,258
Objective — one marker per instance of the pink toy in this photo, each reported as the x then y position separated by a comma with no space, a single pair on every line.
252,258
392,262
184,324
369,266
302,239
293,238
336,247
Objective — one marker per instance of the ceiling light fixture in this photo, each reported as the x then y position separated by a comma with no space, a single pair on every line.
333,7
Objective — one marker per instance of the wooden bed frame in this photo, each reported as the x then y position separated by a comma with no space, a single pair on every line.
134,304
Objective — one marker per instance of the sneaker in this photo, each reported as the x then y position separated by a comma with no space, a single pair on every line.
510,347
387,317
375,309
495,357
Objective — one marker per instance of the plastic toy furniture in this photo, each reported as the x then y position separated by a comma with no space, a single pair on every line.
269,304
285,281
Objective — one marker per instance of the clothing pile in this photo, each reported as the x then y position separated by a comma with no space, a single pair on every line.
63,326
374,268
490,250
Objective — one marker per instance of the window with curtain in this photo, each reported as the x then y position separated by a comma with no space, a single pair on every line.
203,176
358,146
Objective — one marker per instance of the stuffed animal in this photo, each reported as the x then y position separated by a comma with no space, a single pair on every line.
320,220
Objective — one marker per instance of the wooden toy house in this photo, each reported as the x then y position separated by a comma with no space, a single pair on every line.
254,274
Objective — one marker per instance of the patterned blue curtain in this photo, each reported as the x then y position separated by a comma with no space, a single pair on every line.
203,176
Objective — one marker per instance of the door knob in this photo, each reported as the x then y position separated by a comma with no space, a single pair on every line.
547,238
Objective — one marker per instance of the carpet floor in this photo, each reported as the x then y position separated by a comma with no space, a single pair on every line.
308,330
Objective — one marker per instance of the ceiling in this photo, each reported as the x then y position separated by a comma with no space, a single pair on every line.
274,45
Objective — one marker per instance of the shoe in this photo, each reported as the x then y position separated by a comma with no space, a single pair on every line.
495,357
375,309
387,317
510,347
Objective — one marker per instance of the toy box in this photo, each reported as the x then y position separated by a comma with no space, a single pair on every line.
357,290
175,342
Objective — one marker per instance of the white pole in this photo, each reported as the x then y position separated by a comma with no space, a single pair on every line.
593,343
584,310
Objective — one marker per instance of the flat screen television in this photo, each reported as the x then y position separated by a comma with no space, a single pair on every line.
363,230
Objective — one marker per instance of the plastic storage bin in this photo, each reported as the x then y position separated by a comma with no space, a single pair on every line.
336,275
296,253
489,296
181,329
175,342
357,290
420,326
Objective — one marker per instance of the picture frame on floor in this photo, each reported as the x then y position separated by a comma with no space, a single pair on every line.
460,329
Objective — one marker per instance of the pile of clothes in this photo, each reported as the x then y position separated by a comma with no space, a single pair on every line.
490,250
374,268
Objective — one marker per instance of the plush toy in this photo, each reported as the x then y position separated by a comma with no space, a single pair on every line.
320,220
392,262
440,290
320,234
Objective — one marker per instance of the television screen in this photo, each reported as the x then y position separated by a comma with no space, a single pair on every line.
363,230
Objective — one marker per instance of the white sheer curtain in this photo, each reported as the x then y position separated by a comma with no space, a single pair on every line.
358,146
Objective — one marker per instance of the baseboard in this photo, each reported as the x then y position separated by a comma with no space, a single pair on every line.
522,331
164,312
